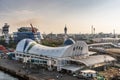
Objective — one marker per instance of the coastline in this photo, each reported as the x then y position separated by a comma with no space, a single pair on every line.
16,69
16,74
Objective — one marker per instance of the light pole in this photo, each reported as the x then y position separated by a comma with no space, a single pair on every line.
105,62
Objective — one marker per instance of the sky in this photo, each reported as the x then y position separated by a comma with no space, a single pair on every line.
52,15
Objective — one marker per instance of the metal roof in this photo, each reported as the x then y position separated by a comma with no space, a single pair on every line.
31,47
97,59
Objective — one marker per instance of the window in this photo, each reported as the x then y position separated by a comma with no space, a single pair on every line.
73,48
77,47
44,62
20,54
28,56
23,55
16,54
32,60
81,48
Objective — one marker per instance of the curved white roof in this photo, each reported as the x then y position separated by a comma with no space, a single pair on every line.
31,47
92,60
48,51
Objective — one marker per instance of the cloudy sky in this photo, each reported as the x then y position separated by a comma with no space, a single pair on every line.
52,15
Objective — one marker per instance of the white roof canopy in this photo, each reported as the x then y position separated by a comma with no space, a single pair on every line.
72,68
88,71
31,47
92,60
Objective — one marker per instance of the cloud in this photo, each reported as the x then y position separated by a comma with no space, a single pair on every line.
17,12
23,12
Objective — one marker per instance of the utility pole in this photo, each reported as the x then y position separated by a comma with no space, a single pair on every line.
105,66
92,29
114,33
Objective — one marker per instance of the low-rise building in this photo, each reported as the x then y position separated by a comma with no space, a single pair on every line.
106,40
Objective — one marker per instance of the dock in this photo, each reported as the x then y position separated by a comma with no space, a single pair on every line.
16,69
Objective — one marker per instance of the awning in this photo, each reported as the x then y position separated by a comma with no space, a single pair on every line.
91,52
97,59
72,68
88,71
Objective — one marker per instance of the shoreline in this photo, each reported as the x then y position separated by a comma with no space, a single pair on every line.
18,75
15,72
16,69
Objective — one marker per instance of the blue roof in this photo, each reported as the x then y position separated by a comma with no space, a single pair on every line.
26,43
23,35
69,41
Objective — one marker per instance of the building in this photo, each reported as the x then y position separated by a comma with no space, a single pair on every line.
70,58
3,49
69,41
26,32
106,40
5,32
17,36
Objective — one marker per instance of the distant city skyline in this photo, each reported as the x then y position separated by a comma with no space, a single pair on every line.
52,15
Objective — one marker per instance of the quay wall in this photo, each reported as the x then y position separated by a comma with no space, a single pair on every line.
19,75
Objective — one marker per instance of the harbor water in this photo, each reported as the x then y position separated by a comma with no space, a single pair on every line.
5,76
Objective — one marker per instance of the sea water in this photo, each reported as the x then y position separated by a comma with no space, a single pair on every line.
5,76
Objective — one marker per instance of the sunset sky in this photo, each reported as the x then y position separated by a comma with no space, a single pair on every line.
52,15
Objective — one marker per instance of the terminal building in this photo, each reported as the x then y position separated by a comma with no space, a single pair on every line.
70,58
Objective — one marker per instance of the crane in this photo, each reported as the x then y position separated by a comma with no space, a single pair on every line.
33,30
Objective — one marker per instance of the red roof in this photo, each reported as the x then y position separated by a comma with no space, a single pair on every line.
3,49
